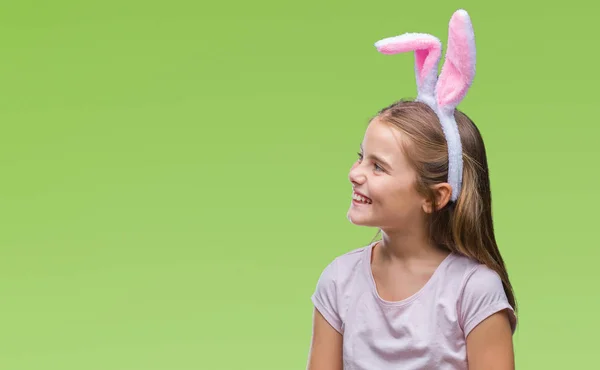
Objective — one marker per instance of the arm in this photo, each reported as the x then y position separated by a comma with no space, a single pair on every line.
489,344
326,345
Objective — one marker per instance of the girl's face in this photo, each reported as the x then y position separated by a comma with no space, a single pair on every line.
383,174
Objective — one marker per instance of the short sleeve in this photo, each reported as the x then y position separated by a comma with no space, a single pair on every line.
482,296
325,297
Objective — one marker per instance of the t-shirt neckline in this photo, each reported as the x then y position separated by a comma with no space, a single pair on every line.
369,272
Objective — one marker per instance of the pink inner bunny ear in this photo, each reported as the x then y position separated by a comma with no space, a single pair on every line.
458,70
428,51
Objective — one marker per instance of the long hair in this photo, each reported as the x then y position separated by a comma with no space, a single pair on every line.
464,226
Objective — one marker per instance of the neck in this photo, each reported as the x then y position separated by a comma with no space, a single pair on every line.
406,246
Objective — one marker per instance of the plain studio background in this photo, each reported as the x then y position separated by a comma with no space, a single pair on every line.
174,175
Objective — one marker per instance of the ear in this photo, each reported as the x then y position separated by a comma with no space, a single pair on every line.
428,51
458,70
442,193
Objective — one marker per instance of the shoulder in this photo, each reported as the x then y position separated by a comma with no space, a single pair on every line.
477,290
482,294
461,264
336,283
351,259
472,278
480,280
456,272
343,266
463,272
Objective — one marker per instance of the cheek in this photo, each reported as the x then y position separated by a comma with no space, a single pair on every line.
399,196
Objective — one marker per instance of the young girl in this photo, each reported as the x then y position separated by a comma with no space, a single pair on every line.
433,293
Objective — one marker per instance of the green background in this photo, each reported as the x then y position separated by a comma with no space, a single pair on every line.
174,175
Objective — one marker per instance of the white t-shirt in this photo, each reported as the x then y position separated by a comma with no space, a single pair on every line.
427,330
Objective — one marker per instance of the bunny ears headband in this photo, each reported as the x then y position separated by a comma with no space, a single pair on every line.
444,92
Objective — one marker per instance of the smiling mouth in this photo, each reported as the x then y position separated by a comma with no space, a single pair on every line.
360,199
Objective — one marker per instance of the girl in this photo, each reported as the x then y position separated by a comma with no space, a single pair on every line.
433,293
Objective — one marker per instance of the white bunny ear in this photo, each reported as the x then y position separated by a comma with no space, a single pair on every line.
454,81
458,70
428,51
442,94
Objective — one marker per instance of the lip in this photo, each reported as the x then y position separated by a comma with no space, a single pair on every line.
356,203
361,194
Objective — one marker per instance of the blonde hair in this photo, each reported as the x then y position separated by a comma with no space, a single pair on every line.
465,226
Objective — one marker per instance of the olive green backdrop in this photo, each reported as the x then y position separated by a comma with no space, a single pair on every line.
174,175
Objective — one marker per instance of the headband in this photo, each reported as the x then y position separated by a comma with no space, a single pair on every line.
445,92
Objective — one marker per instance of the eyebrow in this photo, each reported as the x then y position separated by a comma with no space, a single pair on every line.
376,158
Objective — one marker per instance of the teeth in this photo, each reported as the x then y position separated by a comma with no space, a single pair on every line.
360,198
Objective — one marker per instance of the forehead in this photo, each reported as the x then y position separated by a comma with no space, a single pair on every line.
382,138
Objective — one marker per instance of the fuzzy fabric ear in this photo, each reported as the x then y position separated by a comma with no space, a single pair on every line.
443,93
458,69
428,51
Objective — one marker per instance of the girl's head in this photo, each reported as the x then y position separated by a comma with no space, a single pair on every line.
386,175
403,170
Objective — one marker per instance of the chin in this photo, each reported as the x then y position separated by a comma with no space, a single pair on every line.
359,220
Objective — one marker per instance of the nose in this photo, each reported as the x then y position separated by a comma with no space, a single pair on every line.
356,175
